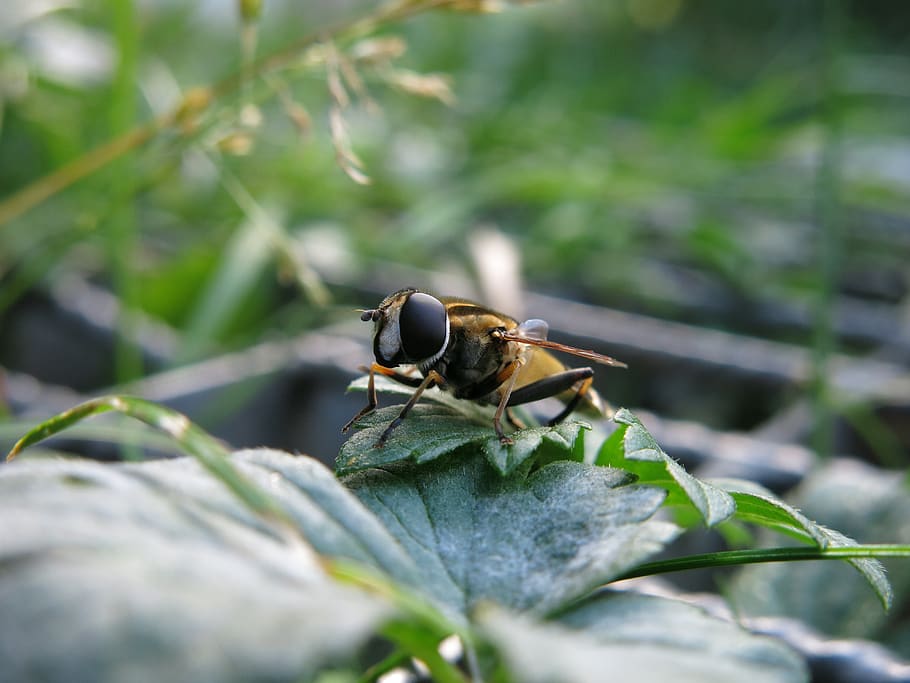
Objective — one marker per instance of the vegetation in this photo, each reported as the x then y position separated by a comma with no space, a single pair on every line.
181,183
516,561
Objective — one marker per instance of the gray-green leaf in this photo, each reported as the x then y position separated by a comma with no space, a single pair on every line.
526,542
866,502
637,639
433,430
157,572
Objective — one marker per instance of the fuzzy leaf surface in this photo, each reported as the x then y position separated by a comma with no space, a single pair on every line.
432,430
869,504
156,571
189,437
527,542
756,505
637,639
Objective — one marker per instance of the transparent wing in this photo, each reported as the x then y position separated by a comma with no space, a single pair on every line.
529,332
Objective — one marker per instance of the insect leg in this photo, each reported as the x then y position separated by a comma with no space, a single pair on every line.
513,420
553,385
399,377
371,389
432,379
573,403
510,372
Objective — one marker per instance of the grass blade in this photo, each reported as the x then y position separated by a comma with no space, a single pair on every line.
192,440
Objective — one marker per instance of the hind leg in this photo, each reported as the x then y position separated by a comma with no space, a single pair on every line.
554,385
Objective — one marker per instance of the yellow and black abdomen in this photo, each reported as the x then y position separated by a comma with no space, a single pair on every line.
542,364
476,363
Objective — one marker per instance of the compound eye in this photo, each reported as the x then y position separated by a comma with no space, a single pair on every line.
423,326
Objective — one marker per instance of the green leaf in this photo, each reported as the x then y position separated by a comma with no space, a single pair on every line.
478,412
328,516
528,542
757,505
637,639
734,558
870,504
444,425
565,438
429,432
153,571
631,447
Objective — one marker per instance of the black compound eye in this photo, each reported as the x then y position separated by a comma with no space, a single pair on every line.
423,326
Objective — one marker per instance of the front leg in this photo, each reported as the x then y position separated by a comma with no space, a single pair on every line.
432,379
510,373
371,389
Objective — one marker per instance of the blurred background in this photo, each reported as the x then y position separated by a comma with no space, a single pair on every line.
726,190
716,193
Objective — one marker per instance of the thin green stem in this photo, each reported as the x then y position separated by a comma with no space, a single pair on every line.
307,278
55,182
195,103
728,558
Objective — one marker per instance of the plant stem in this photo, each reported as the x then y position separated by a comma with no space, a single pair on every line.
729,558
47,186
30,196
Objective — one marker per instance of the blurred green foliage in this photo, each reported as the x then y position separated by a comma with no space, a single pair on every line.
658,155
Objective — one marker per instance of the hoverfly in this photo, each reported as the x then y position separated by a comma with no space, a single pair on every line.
476,354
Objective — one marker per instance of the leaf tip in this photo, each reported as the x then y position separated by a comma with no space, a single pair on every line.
624,416
19,446
886,595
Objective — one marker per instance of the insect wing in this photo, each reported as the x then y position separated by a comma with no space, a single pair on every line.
555,346
535,328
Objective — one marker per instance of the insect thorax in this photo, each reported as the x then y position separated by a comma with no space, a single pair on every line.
471,359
